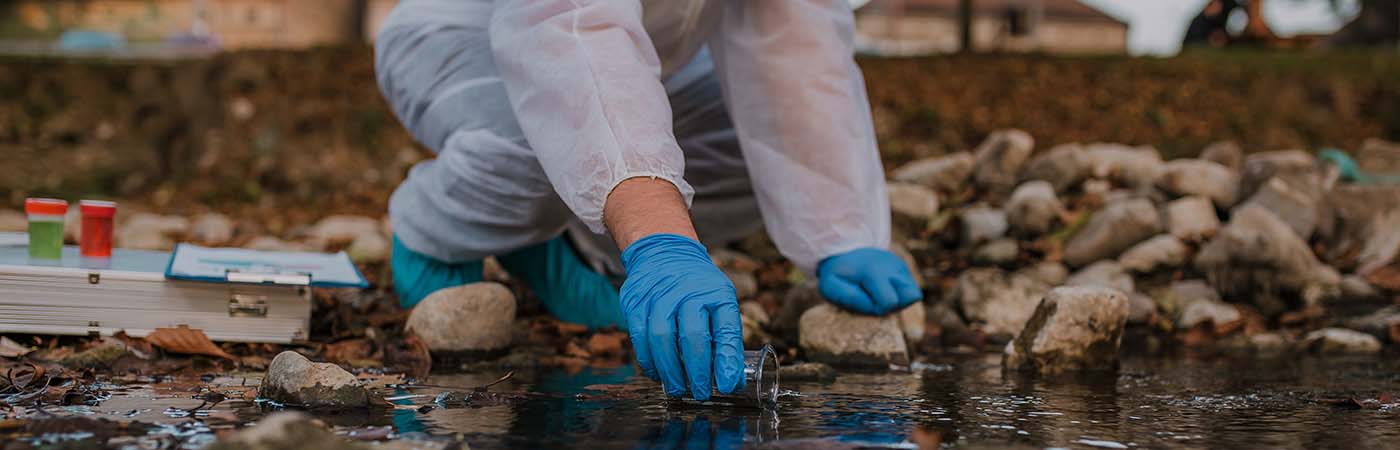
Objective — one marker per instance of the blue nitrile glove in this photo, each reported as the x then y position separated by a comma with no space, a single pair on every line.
868,281
683,316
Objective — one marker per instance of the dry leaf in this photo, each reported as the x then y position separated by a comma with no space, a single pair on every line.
348,350
12,349
183,339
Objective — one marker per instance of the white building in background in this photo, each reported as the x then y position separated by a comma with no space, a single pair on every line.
919,27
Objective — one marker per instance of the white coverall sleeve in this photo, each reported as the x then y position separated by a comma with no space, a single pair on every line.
799,105
585,84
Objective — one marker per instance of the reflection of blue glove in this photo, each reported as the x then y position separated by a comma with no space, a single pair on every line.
676,299
698,433
868,281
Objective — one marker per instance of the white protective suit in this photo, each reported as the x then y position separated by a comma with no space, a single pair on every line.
538,108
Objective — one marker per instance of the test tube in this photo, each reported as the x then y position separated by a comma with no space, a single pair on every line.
760,381
96,240
45,227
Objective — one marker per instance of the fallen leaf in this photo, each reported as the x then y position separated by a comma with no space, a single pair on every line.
186,340
605,344
1387,277
573,349
348,350
12,349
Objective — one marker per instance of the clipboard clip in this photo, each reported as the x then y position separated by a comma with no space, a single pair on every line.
280,278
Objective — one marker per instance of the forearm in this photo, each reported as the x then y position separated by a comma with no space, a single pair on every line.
642,206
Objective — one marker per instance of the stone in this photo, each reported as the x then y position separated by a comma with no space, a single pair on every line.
946,173
1336,341
1048,272
998,252
1033,208
342,229
1096,191
911,321
146,231
999,158
1073,329
745,284
1379,157
982,223
909,262
170,226
12,221
754,311
1257,255
734,260
269,243
998,301
912,205
1378,323
1106,273
1062,167
1161,252
1206,311
753,319
286,430
473,319
1129,166
809,371
1355,289
100,356
1297,207
293,379
1141,309
1225,153
796,301
1269,343
1295,166
839,338
370,247
1113,229
1381,244
1192,219
1199,177
212,229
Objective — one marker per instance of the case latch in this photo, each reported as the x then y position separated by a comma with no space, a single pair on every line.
247,305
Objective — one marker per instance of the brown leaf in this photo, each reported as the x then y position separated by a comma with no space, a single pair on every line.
605,344
573,349
348,350
186,340
411,356
1387,277
139,347
12,349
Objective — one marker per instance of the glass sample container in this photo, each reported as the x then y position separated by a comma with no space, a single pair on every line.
760,381
45,227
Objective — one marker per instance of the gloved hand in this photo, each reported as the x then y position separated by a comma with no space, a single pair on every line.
868,281
676,301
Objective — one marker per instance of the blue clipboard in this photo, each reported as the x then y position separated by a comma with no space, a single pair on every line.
237,265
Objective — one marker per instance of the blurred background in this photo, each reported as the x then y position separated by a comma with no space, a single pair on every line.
268,109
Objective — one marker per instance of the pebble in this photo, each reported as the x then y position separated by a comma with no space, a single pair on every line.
1129,166
1225,153
1048,272
293,379
1201,177
370,247
1161,252
999,158
839,338
1295,166
946,173
1115,228
911,321
272,244
999,252
808,371
912,204
1257,254
212,229
1334,341
909,262
1141,309
1033,208
284,430
1298,208
472,320
342,229
1203,311
1000,302
1106,273
983,223
1192,219
1062,166
1072,329
12,221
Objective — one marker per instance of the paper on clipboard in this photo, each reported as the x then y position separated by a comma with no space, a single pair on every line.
193,262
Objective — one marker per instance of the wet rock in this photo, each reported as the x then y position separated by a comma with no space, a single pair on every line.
999,158
1180,294
471,320
1073,329
1297,207
1192,219
1378,323
946,173
753,319
912,205
797,301
1334,341
1161,252
809,371
1263,344
212,229
1141,309
999,252
911,321
1225,153
100,356
1257,254
1129,166
1108,274
999,301
1294,166
285,430
1356,288
1115,228
983,223
745,284
1378,156
1033,208
909,262
1381,244
342,229
293,379
1048,272
1202,311
370,247
1062,166
829,335
1096,191
1200,177
13,221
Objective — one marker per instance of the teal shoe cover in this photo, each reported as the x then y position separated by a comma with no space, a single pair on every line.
568,288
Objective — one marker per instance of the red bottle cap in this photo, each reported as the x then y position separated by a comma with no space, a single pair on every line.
49,206
97,208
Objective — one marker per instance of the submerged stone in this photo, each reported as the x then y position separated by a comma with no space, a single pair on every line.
1073,329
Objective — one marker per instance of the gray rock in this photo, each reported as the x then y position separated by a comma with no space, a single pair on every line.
1269,343
999,252
171,226
1225,153
1073,329
293,379
1200,177
1062,166
753,319
1096,191
1297,207
999,158
1294,166
754,311
745,284
342,229
1258,255
1048,272
141,239
286,430
12,221
796,302
1033,208
946,173
806,372
1381,244
1115,228
982,223
1379,156
270,243
1355,289
212,229
1106,273
370,247
1161,252
912,320
1000,302
1377,323
1141,309
1192,219
1334,341
912,205
1214,312
1130,166
146,231
472,320
830,335
909,262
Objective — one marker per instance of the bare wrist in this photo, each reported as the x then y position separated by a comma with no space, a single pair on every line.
642,206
